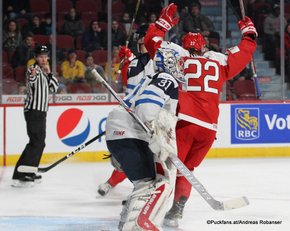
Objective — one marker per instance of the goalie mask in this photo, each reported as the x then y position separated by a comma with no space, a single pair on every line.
194,42
169,61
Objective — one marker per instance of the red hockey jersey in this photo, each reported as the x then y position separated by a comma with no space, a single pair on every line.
205,75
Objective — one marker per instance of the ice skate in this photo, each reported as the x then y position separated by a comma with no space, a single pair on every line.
175,213
23,182
37,178
103,189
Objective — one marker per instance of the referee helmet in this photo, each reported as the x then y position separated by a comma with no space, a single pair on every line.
41,50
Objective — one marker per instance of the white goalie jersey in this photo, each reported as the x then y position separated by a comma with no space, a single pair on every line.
149,96
139,67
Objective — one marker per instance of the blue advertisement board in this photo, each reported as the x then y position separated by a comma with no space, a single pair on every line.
260,123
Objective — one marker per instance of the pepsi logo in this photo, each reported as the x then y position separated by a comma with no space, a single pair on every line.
73,127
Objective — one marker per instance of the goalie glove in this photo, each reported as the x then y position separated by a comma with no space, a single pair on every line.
163,141
166,19
247,28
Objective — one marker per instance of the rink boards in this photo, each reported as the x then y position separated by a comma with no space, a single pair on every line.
245,130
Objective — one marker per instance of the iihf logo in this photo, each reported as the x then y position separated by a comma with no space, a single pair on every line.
247,123
73,127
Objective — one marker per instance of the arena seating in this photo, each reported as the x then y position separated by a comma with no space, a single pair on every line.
20,73
39,6
245,90
63,6
78,88
65,41
7,71
41,39
100,56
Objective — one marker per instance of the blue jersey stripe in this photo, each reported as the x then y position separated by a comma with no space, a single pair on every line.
148,92
131,86
134,92
128,103
141,101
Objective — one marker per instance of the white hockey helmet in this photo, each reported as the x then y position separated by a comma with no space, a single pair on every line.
169,61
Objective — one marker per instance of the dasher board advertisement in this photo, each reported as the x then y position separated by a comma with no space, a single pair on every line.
260,123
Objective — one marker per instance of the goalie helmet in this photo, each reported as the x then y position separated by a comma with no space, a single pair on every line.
169,61
194,42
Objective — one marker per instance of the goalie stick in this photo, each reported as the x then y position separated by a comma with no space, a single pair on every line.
215,204
31,169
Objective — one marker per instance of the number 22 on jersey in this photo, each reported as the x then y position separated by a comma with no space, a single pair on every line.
197,78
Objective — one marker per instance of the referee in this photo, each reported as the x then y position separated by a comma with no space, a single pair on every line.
39,81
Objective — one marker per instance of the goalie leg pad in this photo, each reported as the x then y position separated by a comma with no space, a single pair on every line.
152,214
134,204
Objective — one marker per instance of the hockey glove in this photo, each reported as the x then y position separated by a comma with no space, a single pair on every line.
247,28
163,141
125,53
166,19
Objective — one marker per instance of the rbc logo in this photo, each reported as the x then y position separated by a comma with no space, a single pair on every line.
247,123
73,127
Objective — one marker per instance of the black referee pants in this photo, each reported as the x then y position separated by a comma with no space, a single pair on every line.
36,130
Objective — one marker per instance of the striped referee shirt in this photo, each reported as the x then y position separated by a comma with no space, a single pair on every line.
38,88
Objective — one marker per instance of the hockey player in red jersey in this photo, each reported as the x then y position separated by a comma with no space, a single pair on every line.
198,107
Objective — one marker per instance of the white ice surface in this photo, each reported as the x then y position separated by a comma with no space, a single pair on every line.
67,198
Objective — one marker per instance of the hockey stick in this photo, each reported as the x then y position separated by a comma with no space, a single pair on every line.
253,66
130,33
132,23
216,205
31,169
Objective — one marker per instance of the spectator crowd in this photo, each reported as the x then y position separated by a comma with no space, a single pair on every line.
81,39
